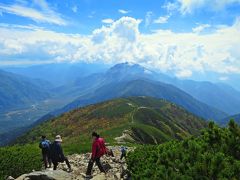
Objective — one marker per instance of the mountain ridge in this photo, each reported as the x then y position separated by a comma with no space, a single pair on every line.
142,87
144,119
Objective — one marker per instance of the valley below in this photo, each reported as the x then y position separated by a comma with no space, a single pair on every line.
16,121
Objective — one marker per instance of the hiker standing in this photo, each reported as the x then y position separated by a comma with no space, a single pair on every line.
98,150
123,152
57,153
45,146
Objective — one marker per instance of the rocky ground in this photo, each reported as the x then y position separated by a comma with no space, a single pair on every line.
79,162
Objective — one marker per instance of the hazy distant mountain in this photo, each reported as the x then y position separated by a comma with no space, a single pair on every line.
82,78
59,73
220,96
119,73
147,88
225,121
17,91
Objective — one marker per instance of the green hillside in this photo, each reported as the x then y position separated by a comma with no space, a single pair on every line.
213,155
134,120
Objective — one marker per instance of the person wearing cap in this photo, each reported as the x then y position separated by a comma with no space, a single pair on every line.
97,152
57,154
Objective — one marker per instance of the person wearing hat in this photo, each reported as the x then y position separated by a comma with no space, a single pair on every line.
57,154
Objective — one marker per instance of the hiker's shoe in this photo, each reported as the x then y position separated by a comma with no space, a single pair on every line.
88,176
70,170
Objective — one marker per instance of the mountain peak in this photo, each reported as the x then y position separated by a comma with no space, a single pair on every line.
129,67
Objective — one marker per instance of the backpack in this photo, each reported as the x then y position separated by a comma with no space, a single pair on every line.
45,144
102,147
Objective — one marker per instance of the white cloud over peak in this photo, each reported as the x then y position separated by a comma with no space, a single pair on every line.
45,15
189,6
121,41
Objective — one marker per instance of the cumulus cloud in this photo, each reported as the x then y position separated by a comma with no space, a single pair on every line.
45,14
179,53
189,6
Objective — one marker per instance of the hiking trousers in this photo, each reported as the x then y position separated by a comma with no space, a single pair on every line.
90,166
55,163
123,155
47,160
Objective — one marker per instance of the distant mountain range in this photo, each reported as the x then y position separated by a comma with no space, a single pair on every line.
225,121
209,93
17,91
59,74
136,119
220,96
147,88
67,87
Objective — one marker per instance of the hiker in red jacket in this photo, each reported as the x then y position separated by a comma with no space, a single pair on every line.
98,150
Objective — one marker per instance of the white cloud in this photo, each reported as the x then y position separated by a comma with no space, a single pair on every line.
161,19
169,6
200,28
184,73
189,6
122,11
108,21
45,15
179,53
75,9
223,78
148,18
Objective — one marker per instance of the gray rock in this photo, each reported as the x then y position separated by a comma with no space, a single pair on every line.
10,178
99,177
47,175
117,176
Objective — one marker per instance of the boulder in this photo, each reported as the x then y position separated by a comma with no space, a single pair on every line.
46,175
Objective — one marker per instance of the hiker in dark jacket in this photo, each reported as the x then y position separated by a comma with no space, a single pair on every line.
45,146
97,151
57,154
123,152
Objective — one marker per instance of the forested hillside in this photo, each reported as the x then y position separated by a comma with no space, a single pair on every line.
213,155
137,119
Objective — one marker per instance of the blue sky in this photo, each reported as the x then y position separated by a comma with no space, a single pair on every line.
83,16
182,37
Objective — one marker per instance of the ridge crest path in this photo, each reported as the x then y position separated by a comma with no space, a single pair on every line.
79,164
